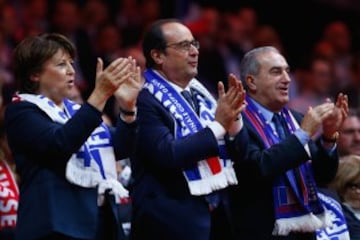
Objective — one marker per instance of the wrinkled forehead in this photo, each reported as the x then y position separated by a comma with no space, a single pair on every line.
270,60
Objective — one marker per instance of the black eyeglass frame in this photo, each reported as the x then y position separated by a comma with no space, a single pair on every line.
185,45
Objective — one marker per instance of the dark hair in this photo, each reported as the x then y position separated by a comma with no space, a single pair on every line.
31,54
154,39
250,64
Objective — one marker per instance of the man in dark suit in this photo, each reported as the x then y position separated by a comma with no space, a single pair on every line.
276,197
182,167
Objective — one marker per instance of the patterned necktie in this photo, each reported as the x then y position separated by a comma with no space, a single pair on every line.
279,123
191,99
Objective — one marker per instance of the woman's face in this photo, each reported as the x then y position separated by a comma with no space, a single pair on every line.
352,194
57,77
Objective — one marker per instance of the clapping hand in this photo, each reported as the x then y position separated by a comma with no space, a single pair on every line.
230,103
108,81
128,91
315,116
328,115
332,123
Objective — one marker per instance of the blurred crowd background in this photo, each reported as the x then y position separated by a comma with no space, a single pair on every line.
319,38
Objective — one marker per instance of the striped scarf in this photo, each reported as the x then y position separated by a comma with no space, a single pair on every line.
296,204
207,175
93,165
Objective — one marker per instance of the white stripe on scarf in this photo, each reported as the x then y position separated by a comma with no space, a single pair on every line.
76,171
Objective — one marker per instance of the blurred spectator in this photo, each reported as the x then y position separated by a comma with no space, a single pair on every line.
65,20
249,17
216,63
95,14
206,27
128,18
206,30
10,25
6,77
315,85
324,49
266,35
108,43
353,88
347,185
337,34
136,52
34,16
349,138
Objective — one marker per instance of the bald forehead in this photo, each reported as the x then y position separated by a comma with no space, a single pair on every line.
175,29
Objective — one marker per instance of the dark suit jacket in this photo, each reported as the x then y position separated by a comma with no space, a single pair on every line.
352,222
41,148
252,199
162,204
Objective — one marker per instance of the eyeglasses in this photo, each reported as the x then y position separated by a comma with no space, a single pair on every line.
185,45
353,186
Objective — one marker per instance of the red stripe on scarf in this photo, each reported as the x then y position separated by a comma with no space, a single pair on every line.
214,164
257,126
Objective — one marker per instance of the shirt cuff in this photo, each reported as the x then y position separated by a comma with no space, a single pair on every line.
235,127
303,136
218,130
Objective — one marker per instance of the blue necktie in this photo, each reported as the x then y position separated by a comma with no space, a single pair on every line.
283,132
279,123
191,99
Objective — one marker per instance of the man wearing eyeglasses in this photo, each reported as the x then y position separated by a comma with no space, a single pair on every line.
182,164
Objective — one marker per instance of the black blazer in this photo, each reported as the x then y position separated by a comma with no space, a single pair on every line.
41,148
252,198
162,204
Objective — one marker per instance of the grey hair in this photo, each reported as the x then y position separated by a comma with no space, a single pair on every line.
250,64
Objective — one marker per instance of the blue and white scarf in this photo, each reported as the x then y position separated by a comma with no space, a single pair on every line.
296,204
93,165
207,175
338,229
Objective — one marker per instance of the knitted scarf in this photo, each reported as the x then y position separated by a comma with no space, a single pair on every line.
93,165
338,229
207,175
296,204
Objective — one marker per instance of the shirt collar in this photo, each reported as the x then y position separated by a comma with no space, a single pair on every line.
176,87
268,115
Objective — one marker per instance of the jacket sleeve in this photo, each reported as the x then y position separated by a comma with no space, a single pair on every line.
30,131
157,141
288,154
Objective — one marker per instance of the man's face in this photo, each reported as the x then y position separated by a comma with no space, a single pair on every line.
180,59
271,85
349,139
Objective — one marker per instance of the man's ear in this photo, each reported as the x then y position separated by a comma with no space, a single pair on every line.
250,82
157,56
